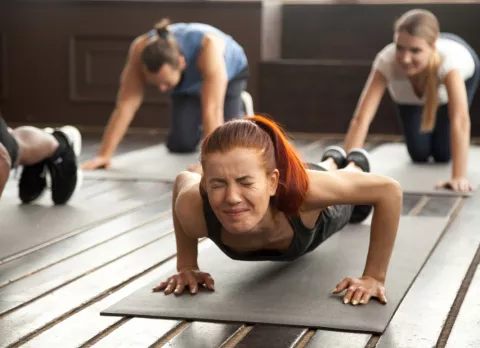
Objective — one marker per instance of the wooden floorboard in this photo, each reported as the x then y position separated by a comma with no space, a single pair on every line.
61,251
330,339
420,317
261,336
466,330
26,322
82,264
54,295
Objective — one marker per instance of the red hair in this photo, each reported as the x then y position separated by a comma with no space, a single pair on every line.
266,136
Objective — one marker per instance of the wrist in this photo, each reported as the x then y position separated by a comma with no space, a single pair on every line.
379,277
181,268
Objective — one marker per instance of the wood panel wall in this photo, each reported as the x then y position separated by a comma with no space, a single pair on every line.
60,60
327,51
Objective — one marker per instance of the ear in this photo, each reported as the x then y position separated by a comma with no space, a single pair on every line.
181,62
273,180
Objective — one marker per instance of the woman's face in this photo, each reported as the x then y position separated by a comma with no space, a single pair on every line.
413,53
239,188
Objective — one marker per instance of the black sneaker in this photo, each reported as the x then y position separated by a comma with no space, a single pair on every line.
337,154
33,182
361,158
66,178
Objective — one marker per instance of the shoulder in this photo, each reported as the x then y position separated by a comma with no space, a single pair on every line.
189,206
453,56
385,59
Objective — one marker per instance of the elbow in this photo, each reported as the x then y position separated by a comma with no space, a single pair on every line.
391,194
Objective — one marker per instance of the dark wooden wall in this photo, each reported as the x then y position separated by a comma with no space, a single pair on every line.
327,51
60,60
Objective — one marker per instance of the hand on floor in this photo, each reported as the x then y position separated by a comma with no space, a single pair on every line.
95,163
360,290
188,277
455,184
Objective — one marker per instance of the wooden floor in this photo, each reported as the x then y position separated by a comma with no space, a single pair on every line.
53,295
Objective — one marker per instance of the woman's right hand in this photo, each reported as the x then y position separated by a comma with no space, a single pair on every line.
186,277
97,162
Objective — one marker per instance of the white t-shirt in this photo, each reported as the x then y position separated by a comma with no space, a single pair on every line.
453,55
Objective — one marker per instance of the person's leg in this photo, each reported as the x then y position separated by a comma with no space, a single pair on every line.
419,145
185,125
233,107
441,136
57,151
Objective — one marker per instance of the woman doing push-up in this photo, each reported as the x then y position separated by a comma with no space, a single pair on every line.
257,201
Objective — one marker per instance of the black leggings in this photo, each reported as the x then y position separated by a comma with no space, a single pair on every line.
436,144
186,122
9,142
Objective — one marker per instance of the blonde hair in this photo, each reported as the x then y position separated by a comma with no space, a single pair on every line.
424,24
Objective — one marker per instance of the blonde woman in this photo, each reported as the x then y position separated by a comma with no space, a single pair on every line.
432,77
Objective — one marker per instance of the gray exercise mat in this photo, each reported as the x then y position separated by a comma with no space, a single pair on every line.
23,227
295,293
153,163
393,160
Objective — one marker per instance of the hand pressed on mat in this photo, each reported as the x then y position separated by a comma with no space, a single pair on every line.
186,277
455,184
97,162
360,290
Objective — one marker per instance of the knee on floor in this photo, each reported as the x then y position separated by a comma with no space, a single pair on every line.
441,157
419,157
182,145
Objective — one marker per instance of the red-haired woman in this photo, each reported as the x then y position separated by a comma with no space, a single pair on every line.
257,201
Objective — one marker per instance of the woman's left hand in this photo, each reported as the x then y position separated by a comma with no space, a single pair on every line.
360,290
455,184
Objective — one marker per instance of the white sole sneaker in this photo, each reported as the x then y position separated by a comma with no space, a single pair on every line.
75,138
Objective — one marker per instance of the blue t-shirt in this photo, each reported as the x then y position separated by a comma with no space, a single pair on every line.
189,37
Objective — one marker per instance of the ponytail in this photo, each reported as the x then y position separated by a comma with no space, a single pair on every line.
162,49
293,183
162,27
431,95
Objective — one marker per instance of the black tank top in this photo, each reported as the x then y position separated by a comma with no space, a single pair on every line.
304,239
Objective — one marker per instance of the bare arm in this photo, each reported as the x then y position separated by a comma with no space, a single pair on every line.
366,108
349,187
459,123
212,67
189,225
5,164
188,219
129,99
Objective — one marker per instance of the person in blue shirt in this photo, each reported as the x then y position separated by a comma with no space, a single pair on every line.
205,71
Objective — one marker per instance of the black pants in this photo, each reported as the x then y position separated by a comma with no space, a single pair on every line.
186,122
436,144
8,141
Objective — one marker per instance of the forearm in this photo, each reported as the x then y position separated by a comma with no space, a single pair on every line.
356,134
384,228
460,135
5,164
187,247
212,117
4,174
115,131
